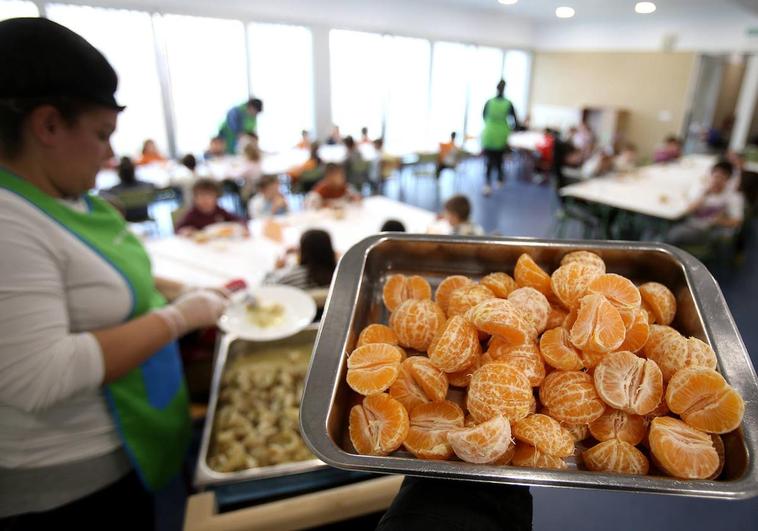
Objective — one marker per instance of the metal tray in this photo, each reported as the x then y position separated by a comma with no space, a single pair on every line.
228,347
356,301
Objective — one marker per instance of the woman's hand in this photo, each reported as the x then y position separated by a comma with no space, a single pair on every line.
196,309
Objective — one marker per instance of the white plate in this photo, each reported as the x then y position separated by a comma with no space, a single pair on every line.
299,311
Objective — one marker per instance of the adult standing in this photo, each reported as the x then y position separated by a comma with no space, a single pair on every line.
499,120
240,119
93,405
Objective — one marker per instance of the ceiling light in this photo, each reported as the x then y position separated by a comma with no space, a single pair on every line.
507,2
644,8
564,12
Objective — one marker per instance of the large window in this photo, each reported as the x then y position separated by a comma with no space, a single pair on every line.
449,90
485,72
517,73
16,8
126,40
281,74
207,68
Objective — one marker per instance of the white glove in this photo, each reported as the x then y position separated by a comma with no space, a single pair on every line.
196,309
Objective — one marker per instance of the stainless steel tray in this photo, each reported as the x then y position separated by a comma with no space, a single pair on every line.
228,347
356,301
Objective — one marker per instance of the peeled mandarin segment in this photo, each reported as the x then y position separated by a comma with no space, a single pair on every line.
558,352
570,318
373,368
704,400
463,299
584,257
406,391
682,451
616,424
590,359
416,323
417,287
556,317
528,456
525,358
571,397
379,425
528,274
419,382
672,352
456,346
637,332
393,293
501,284
616,456
497,389
569,282
544,433
429,426
619,291
598,326
661,302
483,443
578,432
506,458
446,288
500,317
462,378
533,306
377,333
629,383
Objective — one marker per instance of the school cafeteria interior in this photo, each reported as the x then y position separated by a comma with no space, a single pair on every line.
288,264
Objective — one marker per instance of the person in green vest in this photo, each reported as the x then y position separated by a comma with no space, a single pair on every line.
499,120
240,119
94,410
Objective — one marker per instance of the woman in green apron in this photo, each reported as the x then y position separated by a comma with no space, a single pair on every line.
497,127
93,405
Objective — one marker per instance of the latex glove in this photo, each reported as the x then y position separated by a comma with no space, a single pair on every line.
193,310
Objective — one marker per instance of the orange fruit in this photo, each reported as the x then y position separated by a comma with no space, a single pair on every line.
525,358
419,382
528,456
379,425
556,317
501,284
598,326
619,291
545,434
629,383
528,274
416,323
682,451
377,333
637,332
465,298
462,378
506,458
616,456
399,288
373,368
429,426
456,346
578,432
617,424
590,359
571,397
500,317
533,306
672,352
569,282
570,318
660,301
558,352
482,443
498,389
661,410
704,400
446,288
649,311
584,257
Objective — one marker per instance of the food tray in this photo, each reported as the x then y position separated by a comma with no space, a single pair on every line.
230,346
356,301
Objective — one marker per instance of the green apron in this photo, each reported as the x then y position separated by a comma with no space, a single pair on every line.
248,122
496,128
150,403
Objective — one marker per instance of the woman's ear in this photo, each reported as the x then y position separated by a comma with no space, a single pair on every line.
46,125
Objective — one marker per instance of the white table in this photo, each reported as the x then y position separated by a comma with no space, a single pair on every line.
160,174
216,263
665,191
526,140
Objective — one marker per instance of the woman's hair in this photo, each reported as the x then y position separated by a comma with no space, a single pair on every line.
126,171
393,225
317,255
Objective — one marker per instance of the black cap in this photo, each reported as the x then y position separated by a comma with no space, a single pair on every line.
42,59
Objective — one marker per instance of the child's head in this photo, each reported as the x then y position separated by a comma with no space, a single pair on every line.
720,175
379,144
457,210
334,175
189,161
452,136
629,151
268,186
205,194
315,146
252,153
364,132
393,225
304,133
673,142
126,171
149,148
218,145
317,255
349,142
254,106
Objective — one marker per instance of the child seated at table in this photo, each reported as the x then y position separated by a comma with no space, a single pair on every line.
626,160
447,157
456,212
269,200
252,170
717,216
150,153
313,162
670,151
205,209
315,266
216,149
305,140
332,190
